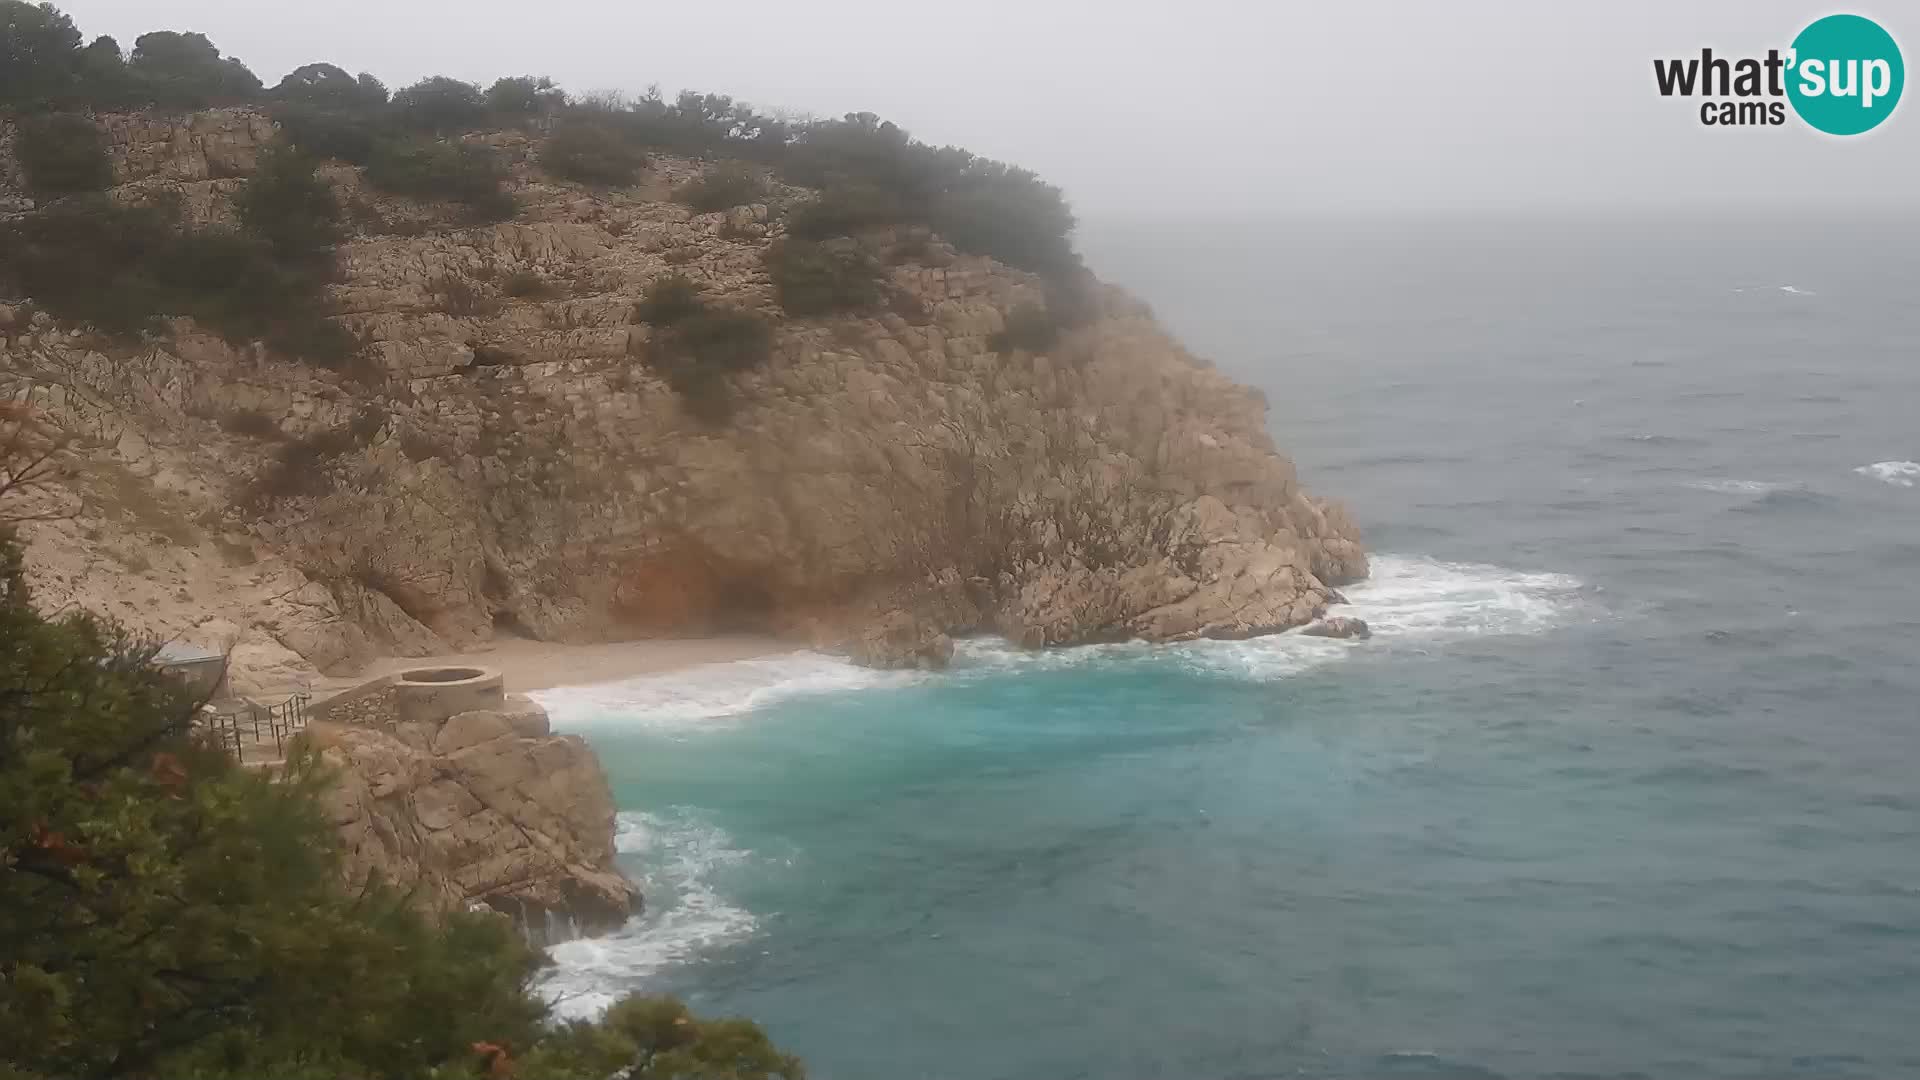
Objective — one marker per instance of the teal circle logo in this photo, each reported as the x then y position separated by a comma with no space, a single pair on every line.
1846,75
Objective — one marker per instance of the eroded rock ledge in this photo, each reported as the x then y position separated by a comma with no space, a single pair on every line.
466,806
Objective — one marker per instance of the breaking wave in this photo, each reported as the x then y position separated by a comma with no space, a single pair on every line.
1897,473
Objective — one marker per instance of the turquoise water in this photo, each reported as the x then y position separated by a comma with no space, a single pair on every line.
1623,787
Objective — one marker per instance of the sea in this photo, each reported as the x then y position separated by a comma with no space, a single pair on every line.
1625,785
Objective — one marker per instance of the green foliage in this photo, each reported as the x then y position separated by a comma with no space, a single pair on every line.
252,423
1030,326
822,278
1008,213
527,285
441,105
302,468
313,337
588,152
706,125
460,172
526,95
872,173
330,133
462,298
164,912
186,71
699,353
288,206
720,188
659,1039
325,86
39,55
845,210
62,154
117,268
669,298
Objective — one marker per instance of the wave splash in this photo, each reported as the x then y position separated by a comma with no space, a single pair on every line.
674,857
1739,487
1897,473
1408,599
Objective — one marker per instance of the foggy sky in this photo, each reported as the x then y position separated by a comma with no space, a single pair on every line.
1176,107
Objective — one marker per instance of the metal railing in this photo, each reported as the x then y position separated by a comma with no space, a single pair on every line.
247,723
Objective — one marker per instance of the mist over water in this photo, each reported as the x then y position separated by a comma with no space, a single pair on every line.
1622,786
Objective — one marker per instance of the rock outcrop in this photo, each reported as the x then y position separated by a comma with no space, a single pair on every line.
887,479
1340,626
480,807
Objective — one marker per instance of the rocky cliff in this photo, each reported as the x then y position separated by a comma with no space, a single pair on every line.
505,460
479,807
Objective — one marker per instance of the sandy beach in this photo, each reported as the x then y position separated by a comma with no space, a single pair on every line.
538,665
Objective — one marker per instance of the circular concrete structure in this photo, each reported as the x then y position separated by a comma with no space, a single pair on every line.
428,695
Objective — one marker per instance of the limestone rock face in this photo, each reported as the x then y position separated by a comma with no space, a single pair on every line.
902,640
484,807
888,477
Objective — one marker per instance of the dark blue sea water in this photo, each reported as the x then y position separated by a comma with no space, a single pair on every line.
1624,787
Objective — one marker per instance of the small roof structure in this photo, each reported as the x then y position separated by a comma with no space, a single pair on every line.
181,654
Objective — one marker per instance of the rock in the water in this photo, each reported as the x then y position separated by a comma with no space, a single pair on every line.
479,808
902,640
1340,626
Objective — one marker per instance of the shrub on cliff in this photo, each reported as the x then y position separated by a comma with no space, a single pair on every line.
39,55
720,188
1030,326
92,262
669,298
699,354
186,71
845,210
993,209
325,86
62,154
290,207
344,135
671,1041
525,95
706,126
592,153
873,173
441,106
458,172
42,65
820,279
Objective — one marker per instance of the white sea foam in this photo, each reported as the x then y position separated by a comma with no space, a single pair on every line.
1897,473
1739,487
1429,600
678,855
1795,291
704,695
1407,599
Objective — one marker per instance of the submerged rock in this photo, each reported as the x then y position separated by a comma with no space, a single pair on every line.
1340,626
